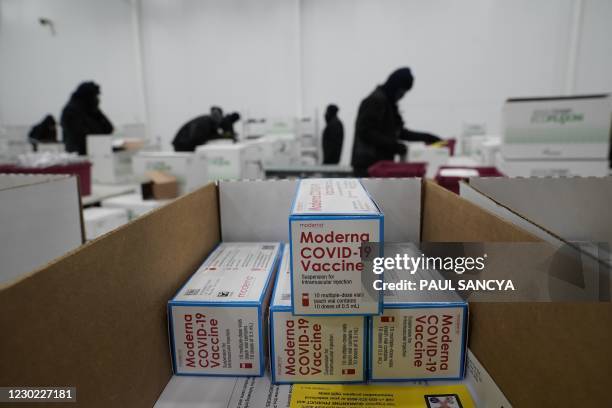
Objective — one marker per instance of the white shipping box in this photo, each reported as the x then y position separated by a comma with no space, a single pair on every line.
134,204
573,127
108,166
99,221
421,335
191,171
313,349
329,221
277,149
231,161
217,320
434,156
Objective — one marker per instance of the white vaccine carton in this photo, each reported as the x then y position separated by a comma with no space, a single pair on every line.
313,349
329,221
420,335
217,321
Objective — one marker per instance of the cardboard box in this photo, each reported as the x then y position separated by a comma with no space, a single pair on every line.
190,171
134,204
40,220
143,264
217,320
300,346
329,221
420,335
565,212
159,187
566,127
99,221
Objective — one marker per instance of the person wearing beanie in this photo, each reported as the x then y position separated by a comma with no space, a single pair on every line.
82,116
379,125
333,136
199,131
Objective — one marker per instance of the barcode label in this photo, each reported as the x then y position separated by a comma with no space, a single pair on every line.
286,296
192,292
267,247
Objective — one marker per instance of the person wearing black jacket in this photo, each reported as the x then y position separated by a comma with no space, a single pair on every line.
199,131
379,125
82,116
333,136
43,132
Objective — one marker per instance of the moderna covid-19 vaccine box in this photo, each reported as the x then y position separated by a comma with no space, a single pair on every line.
421,335
217,320
313,349
330,221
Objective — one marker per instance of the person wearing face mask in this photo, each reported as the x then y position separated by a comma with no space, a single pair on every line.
82,116
199,131
379,126
333,135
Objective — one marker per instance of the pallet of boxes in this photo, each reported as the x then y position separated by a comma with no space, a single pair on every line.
311,311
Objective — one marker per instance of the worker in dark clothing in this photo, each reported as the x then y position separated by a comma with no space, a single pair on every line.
199,131
227,125
82,116
333,136
379,125
43,132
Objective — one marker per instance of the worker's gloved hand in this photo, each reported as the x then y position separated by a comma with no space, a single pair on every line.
400,149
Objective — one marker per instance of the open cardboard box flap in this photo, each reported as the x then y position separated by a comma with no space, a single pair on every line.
561,211
532,350
96,318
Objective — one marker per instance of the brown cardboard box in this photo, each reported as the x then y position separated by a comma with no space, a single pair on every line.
96,318
161,186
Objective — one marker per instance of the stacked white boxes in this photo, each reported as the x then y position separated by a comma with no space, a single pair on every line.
330,221
556,136
420,335
313,349
217,320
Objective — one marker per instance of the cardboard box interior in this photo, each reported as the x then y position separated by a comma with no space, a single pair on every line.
96,318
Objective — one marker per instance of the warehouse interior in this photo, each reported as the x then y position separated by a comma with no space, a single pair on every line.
148,147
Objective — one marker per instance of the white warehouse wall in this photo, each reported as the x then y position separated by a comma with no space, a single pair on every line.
241,55
39,71
286,57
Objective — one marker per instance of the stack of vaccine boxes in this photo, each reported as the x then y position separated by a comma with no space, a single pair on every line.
327,322
325,295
